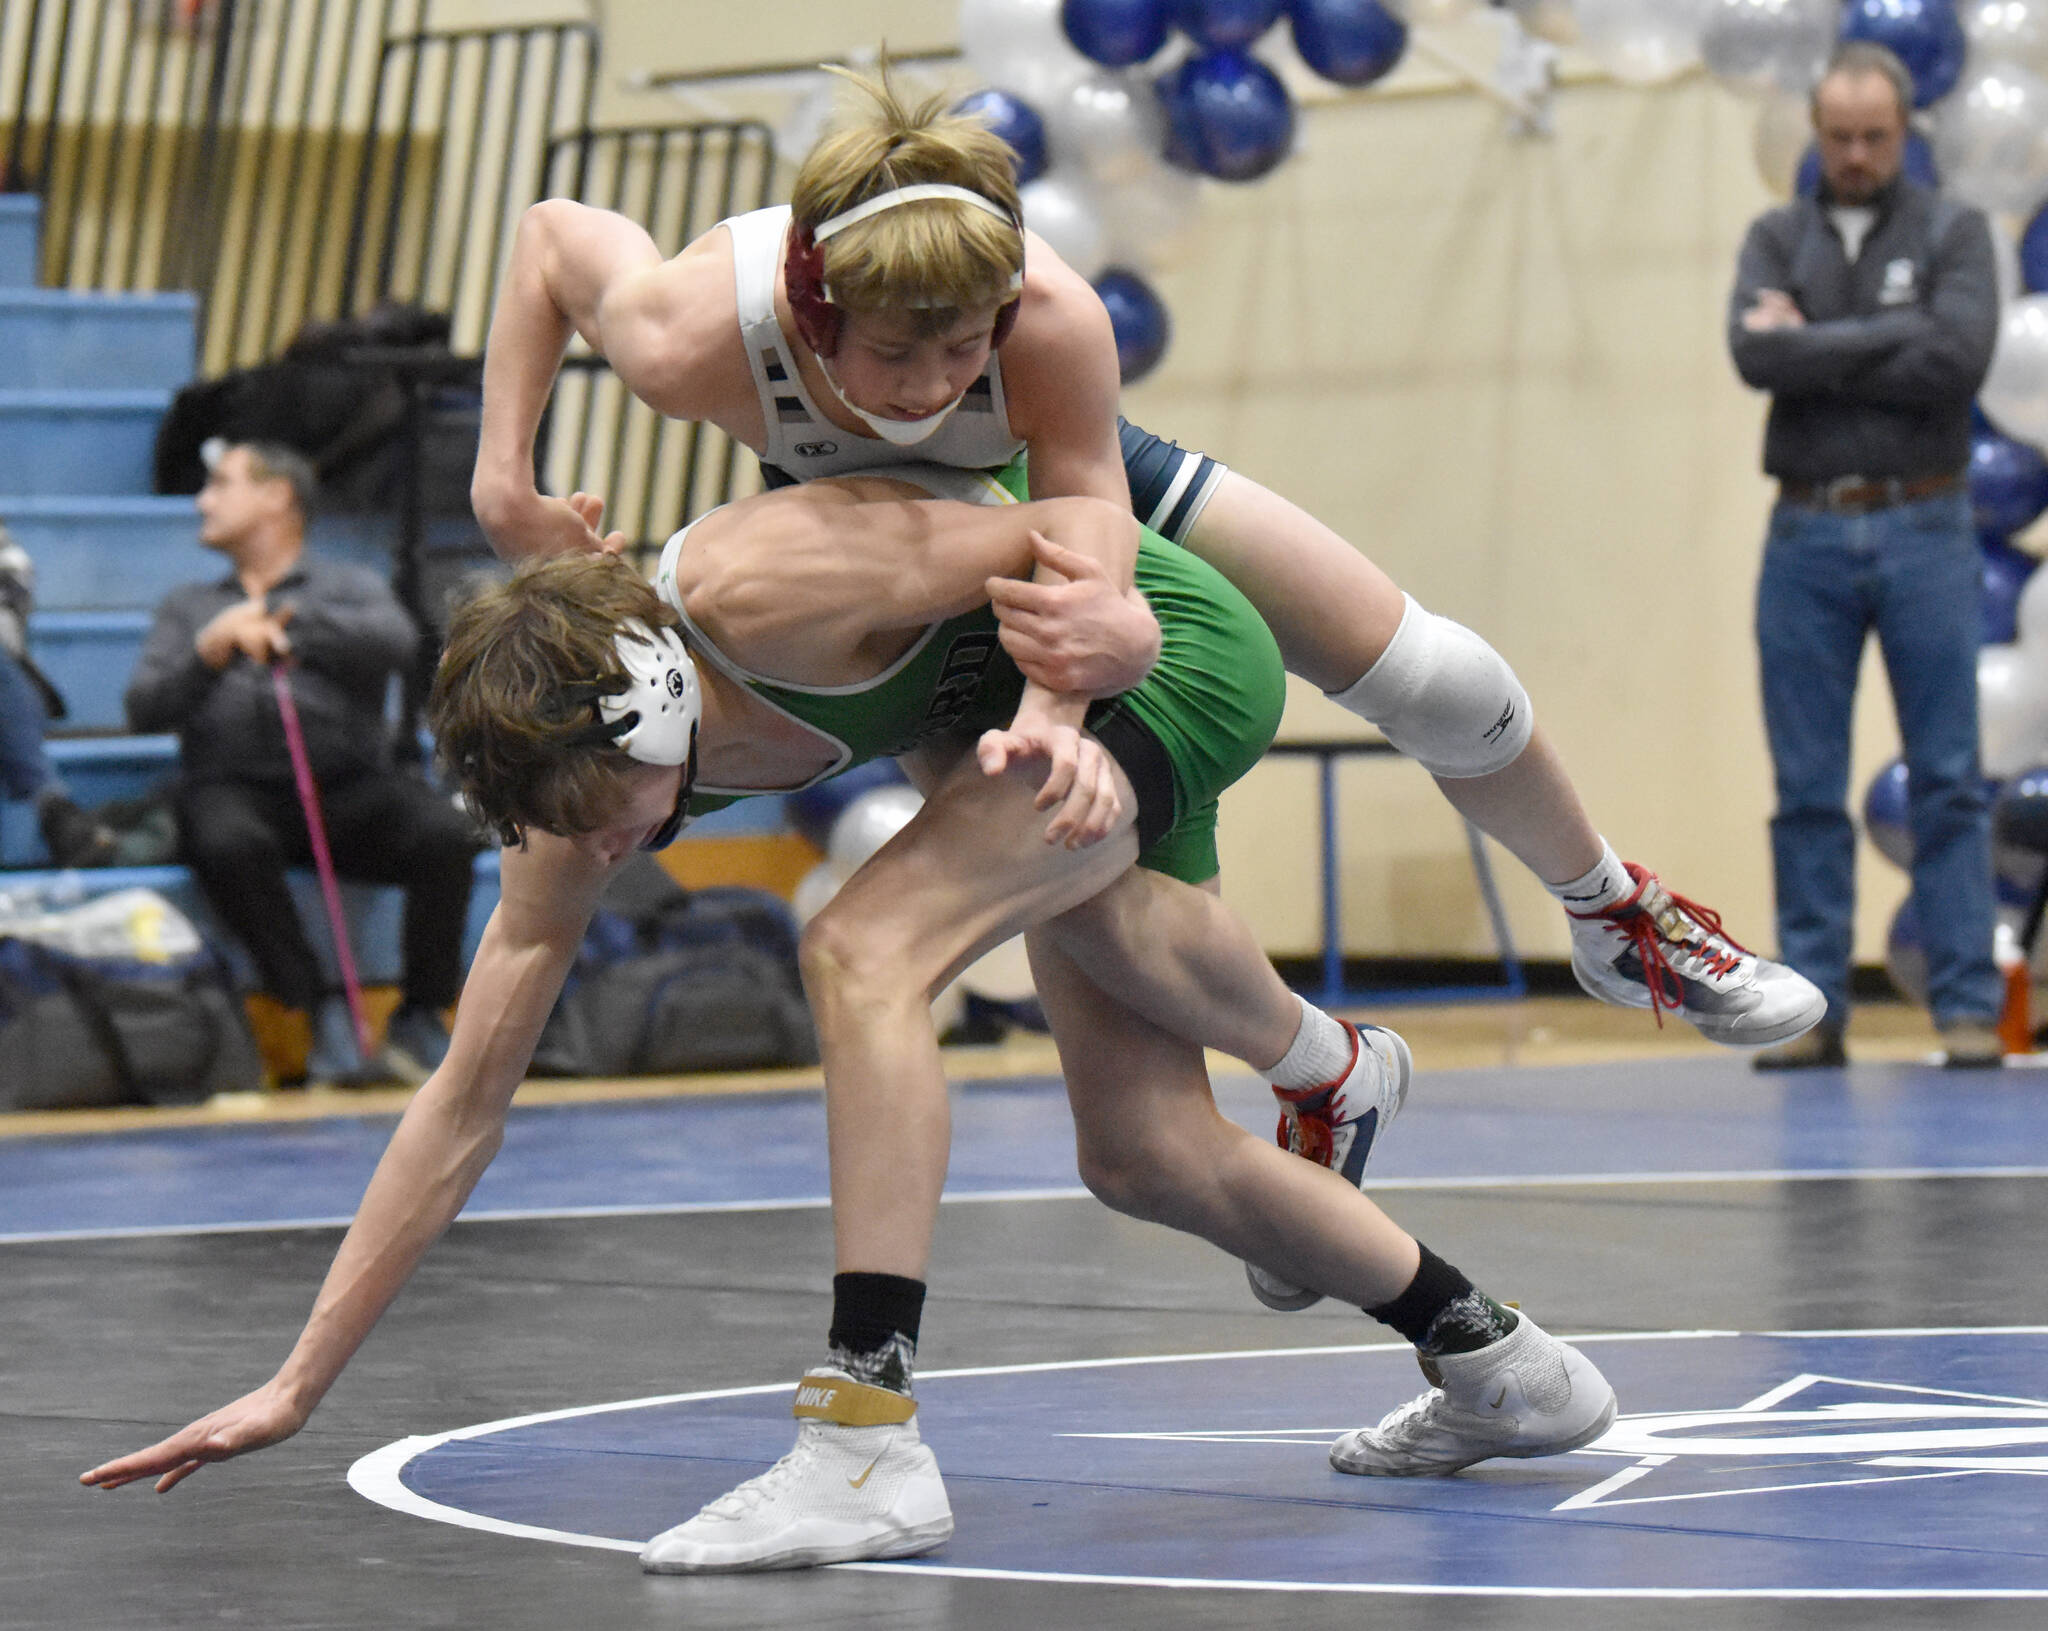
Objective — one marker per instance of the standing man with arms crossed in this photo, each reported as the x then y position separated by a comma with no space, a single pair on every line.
1870,313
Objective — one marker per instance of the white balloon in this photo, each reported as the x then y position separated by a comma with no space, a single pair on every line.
2012,708
2015,393
1763,45
1784,127
1991,139
1002,975
2007,31
868,823
1019,46
2033,615
1060,210
814,891
1641,42
1108,127
1151,223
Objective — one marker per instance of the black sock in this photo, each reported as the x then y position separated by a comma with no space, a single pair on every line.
874,1327
1442,1312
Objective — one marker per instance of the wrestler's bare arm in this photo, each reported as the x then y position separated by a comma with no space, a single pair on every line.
447,1137
668,328
1060,386
798,583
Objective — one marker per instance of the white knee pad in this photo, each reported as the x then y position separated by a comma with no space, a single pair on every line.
1444,697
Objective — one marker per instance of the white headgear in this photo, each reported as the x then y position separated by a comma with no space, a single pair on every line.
655,717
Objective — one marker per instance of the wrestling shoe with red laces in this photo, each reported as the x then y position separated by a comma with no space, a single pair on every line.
1337,1125
1656,950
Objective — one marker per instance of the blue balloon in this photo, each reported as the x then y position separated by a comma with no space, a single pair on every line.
1352,42
1884,814
1224,25
1227,115
2006,571
815,810
1918,166
2008,484
1017,123
1117,33
1138,316
2034,253
1926,35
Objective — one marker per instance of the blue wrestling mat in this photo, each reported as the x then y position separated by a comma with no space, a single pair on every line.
1876,1463
1707,1118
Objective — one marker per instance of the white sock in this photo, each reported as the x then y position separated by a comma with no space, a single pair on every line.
1607,883
1321,1052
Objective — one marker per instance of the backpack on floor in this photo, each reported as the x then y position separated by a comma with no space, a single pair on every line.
117,1001
670,980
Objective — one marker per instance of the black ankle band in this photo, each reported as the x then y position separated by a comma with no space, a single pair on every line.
869,1309
1435,1287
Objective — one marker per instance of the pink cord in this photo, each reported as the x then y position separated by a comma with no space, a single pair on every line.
323,862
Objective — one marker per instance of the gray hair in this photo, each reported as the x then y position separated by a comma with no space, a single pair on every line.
273,461
1858,57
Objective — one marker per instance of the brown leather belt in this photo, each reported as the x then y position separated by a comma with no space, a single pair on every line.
1859,495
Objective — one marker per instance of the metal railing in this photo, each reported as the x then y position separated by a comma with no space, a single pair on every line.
294,160
677,181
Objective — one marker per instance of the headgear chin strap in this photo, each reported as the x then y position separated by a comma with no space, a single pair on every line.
818,318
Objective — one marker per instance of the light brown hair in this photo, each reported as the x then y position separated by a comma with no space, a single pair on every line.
510,697
1855,58
933,258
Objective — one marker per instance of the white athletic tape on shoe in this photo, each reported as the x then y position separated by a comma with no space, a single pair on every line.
839,1399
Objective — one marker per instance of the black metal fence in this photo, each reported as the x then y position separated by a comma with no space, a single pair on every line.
294,160
653,473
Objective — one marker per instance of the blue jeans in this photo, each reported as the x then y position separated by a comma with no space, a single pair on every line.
24,766
1913,572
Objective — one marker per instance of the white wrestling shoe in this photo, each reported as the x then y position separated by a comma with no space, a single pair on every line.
1526,1395
1656,950
860,1484
1337,1125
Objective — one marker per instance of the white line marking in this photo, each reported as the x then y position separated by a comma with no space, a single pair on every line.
378,1477
805,1203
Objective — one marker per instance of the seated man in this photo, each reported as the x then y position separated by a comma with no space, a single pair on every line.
826,624
206,673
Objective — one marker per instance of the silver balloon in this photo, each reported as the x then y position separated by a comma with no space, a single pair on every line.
2032,616
2012,709
1019,46
1991,139
1761,45
814,891
1641,42
2005,260
868,823
1784,127
1109,126
2007,31
2015,393
1060,209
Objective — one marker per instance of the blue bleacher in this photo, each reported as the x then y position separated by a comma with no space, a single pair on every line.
88,378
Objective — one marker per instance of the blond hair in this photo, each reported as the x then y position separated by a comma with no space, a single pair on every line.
935,257
512,695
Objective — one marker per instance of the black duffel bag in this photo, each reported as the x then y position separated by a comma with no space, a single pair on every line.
117,1001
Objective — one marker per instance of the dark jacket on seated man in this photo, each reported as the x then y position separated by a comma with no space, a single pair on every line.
349,635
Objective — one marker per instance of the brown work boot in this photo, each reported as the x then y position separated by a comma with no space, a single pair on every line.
1971,1044
1819,1049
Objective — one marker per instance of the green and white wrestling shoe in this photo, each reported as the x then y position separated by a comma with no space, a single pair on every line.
1526,1395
